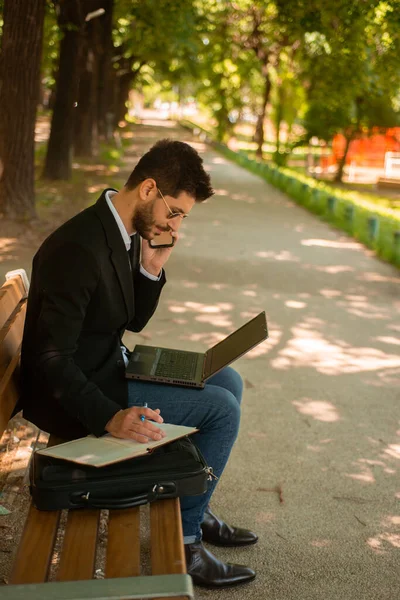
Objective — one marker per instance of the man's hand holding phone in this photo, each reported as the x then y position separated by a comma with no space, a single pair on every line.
157,251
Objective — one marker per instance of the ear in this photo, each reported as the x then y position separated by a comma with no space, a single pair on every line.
148,189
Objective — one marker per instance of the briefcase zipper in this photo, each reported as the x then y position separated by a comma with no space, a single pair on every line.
211,474
146,480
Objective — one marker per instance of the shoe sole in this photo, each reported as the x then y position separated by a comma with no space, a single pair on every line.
225,585
236,545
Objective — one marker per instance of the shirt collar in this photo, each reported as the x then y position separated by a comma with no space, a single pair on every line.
125,235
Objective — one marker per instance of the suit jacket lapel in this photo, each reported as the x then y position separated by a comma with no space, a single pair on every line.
118,255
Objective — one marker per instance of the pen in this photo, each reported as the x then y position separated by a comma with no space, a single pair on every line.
142,417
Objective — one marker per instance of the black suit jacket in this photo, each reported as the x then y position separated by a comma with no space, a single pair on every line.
83,296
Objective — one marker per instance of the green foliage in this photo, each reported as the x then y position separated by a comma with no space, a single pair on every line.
154,32
218,66
333,66
352,68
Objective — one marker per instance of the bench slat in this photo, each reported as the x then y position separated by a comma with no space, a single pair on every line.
10,348
15,322
8,400
5,381
123,545
167,552
78,553
32,562
11,292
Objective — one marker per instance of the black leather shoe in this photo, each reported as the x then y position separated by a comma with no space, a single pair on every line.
219,533
207,571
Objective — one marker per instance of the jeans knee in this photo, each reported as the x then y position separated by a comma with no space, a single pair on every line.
230,380
237,383
231,411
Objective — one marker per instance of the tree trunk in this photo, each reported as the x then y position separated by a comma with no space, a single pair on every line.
85,138
106,80
222,116
259,132
124,87
52,99
19,93
86,119
58,163
278,122
125,84
342,161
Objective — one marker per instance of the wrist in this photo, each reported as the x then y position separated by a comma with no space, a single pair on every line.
155,271
110,424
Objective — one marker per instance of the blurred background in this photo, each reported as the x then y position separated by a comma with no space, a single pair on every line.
305,84
304,96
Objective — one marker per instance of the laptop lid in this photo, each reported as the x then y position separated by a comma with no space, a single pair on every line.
235,345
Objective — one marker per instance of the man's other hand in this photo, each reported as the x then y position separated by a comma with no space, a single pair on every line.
127,424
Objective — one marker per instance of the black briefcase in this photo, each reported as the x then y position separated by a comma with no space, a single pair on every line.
170,470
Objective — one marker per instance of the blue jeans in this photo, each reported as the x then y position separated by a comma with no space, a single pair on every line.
215,411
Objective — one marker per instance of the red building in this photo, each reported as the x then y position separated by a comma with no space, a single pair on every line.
367,151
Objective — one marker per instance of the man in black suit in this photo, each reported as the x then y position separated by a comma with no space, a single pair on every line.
96,277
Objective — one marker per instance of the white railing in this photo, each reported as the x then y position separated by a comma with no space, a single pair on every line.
392,165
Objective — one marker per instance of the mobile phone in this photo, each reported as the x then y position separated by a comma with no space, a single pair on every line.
164,240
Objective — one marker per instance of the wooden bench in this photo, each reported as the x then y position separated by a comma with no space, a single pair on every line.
74,577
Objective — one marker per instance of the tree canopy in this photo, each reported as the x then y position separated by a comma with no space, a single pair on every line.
314,67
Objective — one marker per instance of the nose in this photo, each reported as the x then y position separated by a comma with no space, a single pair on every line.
175,223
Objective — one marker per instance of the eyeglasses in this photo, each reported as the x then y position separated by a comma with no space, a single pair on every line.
171,214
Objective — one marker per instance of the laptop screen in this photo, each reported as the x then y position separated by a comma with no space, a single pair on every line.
235,345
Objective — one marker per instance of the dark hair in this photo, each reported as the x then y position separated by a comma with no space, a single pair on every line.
176,167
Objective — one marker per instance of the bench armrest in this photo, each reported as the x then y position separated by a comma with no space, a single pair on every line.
22,274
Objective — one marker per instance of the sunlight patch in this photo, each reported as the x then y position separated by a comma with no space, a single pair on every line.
320,543
6,243
334,269
320,410
215,321
332,244
393,450
308,348
295,304
283,255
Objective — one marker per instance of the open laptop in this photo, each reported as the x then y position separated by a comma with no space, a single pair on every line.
192,369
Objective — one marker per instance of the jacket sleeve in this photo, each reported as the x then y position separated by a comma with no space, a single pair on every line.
67,282
147,295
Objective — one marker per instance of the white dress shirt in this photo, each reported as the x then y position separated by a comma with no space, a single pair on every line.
128,241
125,235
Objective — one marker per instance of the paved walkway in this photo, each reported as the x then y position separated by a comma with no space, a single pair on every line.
315,470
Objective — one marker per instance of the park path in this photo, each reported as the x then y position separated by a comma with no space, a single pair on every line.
315,470
321,416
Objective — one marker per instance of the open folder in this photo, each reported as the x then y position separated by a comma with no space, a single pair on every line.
108,449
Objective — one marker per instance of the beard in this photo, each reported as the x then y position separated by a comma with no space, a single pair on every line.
143,222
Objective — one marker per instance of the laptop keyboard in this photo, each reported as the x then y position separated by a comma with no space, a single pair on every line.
173,363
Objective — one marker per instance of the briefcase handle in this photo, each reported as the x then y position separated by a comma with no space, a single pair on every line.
159,490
